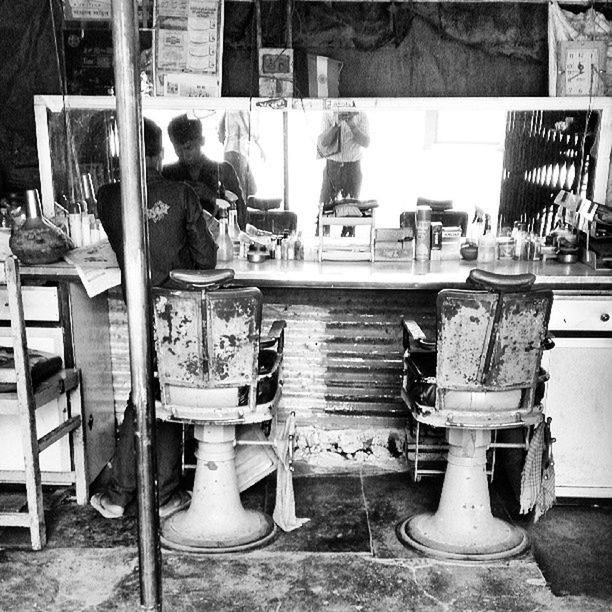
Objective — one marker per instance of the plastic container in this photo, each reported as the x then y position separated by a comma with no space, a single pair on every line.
486,248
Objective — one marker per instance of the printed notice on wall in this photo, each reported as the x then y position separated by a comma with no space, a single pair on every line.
189,47
87,10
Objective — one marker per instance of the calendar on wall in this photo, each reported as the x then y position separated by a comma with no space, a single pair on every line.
189,47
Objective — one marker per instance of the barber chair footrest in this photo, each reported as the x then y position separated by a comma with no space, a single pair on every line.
257,529
422,532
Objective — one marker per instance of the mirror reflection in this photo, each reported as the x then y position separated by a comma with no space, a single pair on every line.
489,161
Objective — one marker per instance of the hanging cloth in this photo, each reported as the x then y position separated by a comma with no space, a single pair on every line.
284,507
538,477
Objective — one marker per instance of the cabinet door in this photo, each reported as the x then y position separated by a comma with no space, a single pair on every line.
578,398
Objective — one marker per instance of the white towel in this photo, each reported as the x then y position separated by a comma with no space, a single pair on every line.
284,508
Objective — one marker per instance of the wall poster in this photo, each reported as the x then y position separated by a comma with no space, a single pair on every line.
189,48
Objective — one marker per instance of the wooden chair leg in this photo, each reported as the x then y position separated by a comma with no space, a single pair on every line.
78,445
36,511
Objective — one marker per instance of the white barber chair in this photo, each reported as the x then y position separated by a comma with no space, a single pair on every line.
216,372
482,374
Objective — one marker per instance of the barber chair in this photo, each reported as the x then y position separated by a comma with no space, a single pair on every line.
216,372
263,213
482,374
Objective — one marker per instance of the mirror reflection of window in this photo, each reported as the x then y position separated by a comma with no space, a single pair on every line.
447,155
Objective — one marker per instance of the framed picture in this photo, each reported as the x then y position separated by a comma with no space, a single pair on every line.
582,65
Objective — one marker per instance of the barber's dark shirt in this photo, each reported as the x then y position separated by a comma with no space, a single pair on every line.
178,236
212,181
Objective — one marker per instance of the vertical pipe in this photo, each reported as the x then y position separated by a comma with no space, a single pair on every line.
286,159
133,204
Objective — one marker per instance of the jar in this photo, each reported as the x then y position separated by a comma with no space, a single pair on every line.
38,241
486,248
505,248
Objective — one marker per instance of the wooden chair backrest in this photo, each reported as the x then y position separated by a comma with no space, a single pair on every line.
10,280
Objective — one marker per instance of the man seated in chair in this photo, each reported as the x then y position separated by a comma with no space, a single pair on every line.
209,178
178,239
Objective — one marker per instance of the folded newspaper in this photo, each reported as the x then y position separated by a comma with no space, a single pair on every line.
97,267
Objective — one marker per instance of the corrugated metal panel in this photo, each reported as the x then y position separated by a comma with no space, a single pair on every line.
342,350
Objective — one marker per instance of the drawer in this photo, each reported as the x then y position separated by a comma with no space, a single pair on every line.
581,313
39,304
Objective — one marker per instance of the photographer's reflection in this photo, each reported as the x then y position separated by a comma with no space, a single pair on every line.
343,137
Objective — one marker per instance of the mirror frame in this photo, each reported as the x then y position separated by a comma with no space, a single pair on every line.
602,189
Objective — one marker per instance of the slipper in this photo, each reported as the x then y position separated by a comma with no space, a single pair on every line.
179,500
101,503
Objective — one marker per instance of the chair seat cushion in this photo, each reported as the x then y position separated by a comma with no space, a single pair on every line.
42,366
422,365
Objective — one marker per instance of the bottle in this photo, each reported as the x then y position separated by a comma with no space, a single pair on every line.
422,241
37,241
89,194
75,223
234,228
225,251
278,248
299,247
486,248
291,246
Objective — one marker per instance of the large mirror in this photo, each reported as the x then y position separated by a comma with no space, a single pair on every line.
503,157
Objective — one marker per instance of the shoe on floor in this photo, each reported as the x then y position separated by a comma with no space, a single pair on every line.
179,500
108,510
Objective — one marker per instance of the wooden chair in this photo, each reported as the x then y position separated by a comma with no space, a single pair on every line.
481,374
29,380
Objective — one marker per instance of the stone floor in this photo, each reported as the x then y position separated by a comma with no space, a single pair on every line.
347,557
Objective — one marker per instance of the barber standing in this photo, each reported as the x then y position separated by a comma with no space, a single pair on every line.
209,178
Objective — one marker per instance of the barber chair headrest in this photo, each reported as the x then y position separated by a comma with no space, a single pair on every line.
202,279
263,203
490,281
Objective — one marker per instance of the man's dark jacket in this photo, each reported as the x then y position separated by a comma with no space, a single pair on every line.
178,236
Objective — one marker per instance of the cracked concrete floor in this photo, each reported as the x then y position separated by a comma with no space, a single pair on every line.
346,558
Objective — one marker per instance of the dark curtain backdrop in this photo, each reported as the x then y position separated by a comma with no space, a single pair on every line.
405,49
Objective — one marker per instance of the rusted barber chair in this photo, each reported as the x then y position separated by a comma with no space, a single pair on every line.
481,373
216,372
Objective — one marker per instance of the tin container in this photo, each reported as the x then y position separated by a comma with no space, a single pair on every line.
422,243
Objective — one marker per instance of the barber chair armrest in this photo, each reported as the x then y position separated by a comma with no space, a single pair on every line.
548,342
275,336
415,338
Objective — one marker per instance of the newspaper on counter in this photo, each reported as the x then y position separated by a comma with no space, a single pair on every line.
97,267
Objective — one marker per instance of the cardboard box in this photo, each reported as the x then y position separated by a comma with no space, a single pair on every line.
275,73
393,244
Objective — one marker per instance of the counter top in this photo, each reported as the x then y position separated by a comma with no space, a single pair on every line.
380,275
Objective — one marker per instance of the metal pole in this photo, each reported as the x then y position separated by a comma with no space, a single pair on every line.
133,204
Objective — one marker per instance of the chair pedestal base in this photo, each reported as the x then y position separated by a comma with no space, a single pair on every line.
216,521
463,526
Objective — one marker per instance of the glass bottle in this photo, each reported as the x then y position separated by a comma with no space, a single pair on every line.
234,228
225,252
37,241
89,194
299,247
